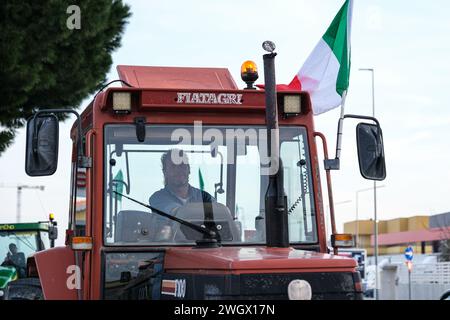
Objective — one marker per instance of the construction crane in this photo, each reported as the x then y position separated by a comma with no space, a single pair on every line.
19,196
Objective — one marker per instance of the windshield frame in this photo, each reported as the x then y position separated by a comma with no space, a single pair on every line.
314,210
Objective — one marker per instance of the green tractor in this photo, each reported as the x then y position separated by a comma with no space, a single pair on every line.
17,242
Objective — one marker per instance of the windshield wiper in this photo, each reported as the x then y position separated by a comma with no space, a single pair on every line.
210,237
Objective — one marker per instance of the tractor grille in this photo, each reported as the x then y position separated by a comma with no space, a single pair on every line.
325,286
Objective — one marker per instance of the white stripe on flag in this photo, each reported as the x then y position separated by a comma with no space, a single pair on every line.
318,76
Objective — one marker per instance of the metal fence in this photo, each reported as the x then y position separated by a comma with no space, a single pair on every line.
438,273
428,281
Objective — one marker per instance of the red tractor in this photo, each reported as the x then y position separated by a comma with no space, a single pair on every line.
183,186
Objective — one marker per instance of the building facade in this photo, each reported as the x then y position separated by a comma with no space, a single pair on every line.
424,233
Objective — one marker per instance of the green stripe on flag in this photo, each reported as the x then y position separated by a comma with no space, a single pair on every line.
337,38
201,182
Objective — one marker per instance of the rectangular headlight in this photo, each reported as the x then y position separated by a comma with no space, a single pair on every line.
121,101
292,104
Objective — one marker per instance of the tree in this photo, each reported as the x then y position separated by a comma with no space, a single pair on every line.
445,250
47,63
442,222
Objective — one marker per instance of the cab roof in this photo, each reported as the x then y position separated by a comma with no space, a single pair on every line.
24,226
177,77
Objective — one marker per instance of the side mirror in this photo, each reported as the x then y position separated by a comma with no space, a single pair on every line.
370,151
53,232
41,158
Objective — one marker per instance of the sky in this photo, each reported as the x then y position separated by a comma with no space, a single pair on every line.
405,42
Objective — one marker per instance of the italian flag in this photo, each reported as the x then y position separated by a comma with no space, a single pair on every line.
325,74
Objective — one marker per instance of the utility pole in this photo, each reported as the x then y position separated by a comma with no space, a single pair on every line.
328,211
357,217
375,220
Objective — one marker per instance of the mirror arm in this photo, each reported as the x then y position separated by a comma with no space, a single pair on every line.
334,164
83,161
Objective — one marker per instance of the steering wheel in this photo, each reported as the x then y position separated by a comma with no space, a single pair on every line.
195,212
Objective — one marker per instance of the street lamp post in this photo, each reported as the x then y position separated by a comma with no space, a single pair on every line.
375,227
357,210
328,210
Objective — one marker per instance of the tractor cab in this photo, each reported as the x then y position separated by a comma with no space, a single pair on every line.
18,241
186,187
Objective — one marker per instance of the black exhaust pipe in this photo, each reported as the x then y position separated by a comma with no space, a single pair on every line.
277,233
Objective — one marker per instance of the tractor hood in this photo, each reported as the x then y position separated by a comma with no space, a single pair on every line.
256,273
253,259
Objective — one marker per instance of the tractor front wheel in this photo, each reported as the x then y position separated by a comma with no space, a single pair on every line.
24,289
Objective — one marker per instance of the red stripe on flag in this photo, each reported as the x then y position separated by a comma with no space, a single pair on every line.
295,84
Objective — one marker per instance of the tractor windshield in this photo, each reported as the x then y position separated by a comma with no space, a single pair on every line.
211,176
16,246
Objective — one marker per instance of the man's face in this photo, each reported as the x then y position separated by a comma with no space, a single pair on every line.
176,176
13,249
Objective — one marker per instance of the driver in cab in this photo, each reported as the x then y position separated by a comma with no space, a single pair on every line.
16,259
177,191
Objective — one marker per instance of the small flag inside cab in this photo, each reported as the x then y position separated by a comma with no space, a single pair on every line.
201,182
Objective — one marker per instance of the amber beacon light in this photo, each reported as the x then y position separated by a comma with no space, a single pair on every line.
249,73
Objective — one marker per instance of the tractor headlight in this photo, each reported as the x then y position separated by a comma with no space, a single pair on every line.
299,290
121,102
291,105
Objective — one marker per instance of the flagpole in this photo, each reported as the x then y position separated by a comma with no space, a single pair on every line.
334,164
340,126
